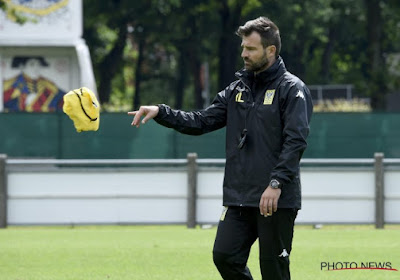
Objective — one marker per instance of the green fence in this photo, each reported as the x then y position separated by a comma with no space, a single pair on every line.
47,135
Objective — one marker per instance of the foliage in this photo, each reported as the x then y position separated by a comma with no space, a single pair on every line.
152,51
12,13
342,105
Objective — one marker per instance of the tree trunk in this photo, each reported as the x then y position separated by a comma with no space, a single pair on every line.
377,86
198,89
193,52
181,80
374,29
138,71
327,56
228,49
111,65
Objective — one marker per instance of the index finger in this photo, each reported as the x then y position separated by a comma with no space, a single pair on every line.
138,114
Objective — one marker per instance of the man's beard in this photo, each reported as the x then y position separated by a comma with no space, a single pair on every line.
259,65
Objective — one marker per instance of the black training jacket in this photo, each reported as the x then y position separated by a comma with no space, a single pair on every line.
275,108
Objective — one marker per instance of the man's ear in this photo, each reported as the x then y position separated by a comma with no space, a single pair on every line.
271,50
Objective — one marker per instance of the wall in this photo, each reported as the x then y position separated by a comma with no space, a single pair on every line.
52,135
86,193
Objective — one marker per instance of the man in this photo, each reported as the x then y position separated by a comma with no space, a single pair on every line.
266,113
29,91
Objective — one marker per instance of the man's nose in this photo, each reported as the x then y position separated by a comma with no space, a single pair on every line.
244,54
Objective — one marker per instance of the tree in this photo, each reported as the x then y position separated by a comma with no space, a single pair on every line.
375,66
228,50
12,13
164,43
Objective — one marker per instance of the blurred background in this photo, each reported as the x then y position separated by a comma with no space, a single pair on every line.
182,53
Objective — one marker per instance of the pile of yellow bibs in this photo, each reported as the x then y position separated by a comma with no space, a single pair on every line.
82,107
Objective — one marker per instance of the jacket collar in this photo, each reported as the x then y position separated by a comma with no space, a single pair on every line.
276,70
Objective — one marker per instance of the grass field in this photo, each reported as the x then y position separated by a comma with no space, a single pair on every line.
174,252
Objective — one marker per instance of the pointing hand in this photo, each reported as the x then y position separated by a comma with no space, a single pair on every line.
149,112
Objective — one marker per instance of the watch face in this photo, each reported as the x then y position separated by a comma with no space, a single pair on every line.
274,184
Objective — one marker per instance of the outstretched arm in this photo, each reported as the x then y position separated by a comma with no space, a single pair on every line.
192,123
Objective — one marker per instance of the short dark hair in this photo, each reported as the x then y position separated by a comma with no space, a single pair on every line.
268,31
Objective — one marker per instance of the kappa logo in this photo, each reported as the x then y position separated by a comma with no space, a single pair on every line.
238,97
300,94
269,96
224,213
284,254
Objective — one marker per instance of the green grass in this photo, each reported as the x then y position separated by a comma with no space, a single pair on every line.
174,252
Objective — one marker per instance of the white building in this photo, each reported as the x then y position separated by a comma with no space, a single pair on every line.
45,56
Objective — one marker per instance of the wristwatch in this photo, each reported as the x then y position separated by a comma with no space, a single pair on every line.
275,184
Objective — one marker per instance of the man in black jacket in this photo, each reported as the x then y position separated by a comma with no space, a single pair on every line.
266,113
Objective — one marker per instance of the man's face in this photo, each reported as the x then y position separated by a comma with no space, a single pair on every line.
254,54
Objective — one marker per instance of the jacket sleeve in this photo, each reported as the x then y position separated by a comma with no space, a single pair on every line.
195,122
296,111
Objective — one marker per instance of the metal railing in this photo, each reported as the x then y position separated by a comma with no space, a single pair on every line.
192,165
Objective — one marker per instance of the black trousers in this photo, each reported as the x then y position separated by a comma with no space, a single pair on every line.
239,228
